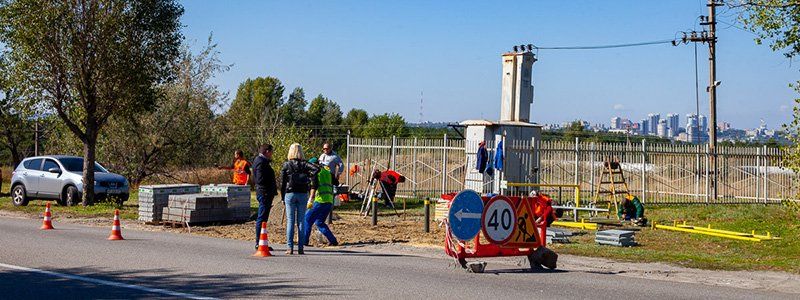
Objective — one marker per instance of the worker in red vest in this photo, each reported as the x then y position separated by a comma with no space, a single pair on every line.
544,209
240,167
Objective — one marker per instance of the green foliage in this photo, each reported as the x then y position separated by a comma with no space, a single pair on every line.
179,133
324,111
293,112
355,120
386,125
90,61
777,22
15,126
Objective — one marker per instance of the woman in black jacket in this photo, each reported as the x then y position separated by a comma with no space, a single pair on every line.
296,177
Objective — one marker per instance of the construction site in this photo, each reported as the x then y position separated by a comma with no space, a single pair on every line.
482,207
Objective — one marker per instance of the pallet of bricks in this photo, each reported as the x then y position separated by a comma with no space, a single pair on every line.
196,208
154,198
238,199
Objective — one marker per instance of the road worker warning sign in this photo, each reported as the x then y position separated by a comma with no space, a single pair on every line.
525,234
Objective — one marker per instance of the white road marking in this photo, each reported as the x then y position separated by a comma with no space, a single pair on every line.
106,282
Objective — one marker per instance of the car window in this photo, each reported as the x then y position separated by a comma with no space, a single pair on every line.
75,164
33,164
48,164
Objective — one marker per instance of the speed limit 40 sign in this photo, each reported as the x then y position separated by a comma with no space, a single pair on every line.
498,220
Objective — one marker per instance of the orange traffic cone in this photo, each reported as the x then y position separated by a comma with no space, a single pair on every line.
47,224
116,230
263,242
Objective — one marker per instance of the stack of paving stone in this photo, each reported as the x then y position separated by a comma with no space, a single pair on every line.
154,198
238,199
619,238
558,235
197,208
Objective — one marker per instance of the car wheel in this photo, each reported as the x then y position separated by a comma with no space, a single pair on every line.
72,196
18,196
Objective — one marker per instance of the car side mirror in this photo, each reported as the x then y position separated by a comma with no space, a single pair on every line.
54,170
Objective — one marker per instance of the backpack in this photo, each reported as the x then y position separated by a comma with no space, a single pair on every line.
298,179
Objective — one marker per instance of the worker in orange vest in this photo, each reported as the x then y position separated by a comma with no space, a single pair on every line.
240,167
543,209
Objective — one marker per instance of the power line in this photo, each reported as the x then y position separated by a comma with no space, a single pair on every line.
605,46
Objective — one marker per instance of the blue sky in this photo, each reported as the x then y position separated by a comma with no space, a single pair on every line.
379,56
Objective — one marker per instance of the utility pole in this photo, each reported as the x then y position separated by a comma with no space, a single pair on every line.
709,37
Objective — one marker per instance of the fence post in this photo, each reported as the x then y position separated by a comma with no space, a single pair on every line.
766,180
533,163
347,160
577,153
414,167
644,171
758,171
444,164
697,175
591,169
427,215
708,183
393,159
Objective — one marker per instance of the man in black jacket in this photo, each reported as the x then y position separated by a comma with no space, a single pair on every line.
266,186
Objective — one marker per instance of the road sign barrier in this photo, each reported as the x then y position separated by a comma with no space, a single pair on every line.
525,233
499,220
465,215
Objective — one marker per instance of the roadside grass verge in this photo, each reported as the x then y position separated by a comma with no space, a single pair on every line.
703,251
128,211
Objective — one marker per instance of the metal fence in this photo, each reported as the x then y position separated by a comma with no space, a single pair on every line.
657,173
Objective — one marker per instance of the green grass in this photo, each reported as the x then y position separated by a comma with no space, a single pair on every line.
708,252
128,211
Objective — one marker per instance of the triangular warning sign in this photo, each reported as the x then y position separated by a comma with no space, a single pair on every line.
525,235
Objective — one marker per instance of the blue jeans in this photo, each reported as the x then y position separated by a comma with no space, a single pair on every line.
264,207
317,216
295,216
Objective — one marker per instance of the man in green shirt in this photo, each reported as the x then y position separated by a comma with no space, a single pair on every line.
631,209
320,203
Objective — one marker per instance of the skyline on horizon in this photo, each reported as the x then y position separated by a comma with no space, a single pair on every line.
381,56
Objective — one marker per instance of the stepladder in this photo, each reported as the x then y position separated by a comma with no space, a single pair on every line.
612,184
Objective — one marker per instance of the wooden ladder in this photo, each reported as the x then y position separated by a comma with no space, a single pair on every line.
612,183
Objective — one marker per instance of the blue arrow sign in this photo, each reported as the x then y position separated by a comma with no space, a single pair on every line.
465,215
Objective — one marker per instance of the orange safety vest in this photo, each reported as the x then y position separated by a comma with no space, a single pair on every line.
240,177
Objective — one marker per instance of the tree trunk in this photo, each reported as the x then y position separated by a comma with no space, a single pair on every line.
89,148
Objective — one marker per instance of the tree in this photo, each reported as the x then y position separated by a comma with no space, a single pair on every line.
356,119
777,22
15,129
386,125
324,111
91,60
293,111
255,112
181,130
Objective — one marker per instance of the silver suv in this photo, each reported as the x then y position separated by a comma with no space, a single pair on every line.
59,178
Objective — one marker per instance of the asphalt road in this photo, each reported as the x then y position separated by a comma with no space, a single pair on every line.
78,262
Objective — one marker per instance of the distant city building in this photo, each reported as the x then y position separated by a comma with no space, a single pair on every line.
724,126
673,124
695,130
662,130
644,127
703,124
653,120
616,123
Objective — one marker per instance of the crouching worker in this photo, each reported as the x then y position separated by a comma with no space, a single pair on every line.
320,203
631,209
388,181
